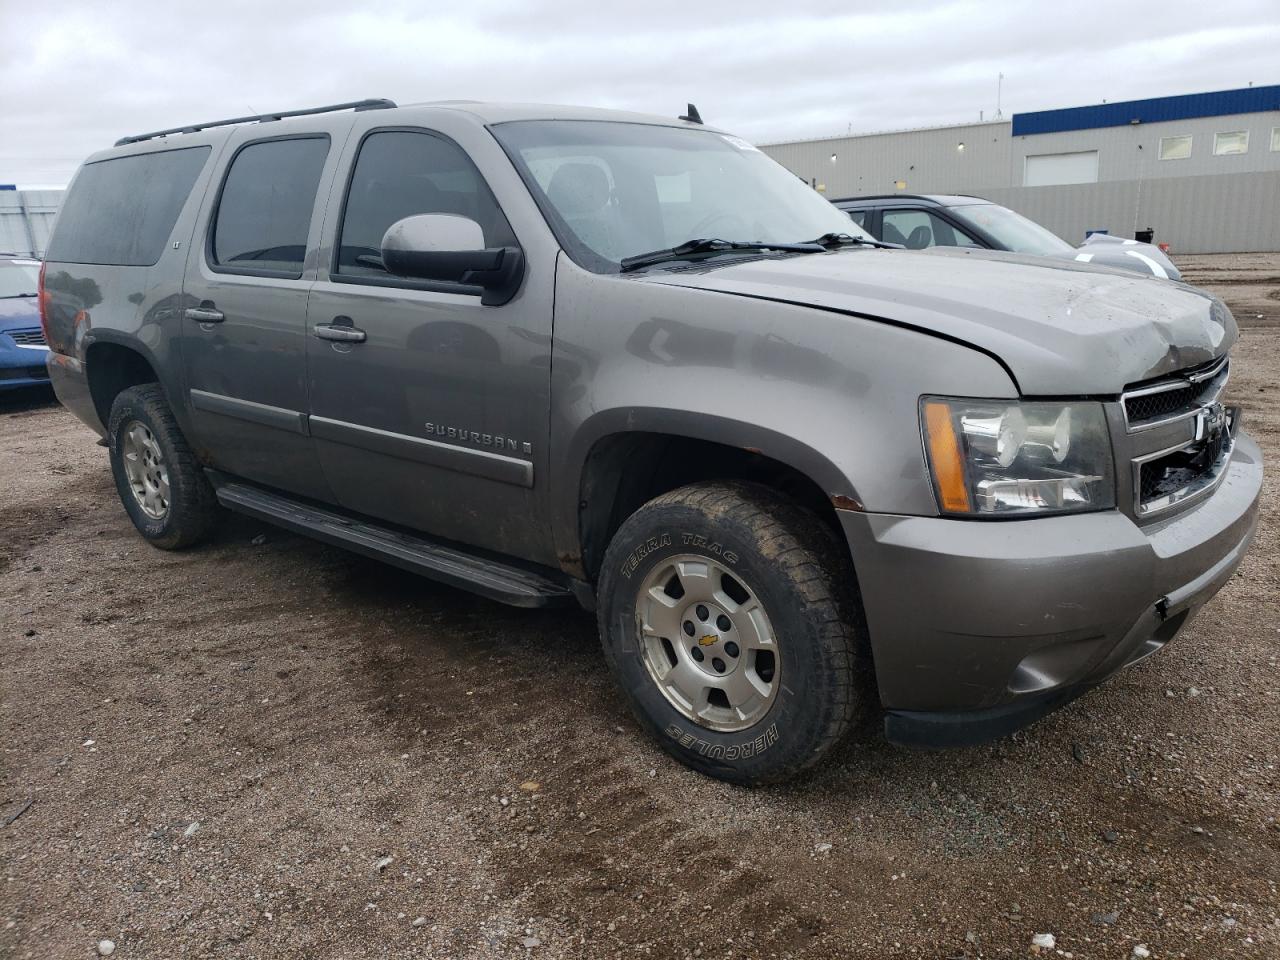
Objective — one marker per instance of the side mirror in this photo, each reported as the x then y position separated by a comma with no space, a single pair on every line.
450,249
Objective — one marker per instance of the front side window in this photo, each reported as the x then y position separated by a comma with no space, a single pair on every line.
858,216
401,174
917,229
264,212
1175,148
1225,144
613,190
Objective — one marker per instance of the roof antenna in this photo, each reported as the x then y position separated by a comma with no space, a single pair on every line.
692,116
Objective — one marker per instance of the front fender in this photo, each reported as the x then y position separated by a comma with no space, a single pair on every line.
833,396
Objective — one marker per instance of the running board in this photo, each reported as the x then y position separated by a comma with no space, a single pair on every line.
489,578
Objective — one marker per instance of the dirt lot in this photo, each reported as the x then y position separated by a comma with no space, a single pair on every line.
275,749
1250,282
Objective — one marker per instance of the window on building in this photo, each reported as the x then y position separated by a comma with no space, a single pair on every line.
402,174
1054,168
1175,148
264,213
1275,139
1225,144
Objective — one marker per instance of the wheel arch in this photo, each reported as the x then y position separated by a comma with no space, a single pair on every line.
114,365
623,458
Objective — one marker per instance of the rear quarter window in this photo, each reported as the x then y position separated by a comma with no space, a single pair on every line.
121,211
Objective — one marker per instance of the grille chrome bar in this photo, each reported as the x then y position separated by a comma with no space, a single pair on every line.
1213,377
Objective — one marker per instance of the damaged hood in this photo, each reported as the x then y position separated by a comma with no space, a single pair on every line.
1061,328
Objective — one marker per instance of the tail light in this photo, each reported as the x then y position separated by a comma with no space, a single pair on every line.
43,300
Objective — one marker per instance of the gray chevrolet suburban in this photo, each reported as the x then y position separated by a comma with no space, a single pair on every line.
558,355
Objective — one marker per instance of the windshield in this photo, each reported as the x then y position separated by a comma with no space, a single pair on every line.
1011,230
614,190
18,278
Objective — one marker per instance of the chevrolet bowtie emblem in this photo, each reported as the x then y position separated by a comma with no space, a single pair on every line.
1210,420
708,640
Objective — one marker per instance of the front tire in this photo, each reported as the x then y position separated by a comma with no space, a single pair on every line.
769,677
161,484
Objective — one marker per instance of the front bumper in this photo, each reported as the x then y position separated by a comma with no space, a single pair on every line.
978,628
21,366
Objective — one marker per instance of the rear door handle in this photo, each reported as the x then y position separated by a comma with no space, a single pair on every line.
204,314
340,331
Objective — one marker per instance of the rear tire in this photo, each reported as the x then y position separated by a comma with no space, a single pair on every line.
161,484
777,630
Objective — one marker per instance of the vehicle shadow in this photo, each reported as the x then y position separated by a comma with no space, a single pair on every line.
439,663
463,666
26,399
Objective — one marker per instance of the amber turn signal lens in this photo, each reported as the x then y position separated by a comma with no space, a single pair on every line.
946,458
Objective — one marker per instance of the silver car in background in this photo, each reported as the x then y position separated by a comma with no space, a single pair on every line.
919,221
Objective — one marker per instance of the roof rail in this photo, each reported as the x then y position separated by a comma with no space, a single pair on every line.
375,104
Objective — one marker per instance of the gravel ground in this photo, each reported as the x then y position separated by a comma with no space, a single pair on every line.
275,749
1250,282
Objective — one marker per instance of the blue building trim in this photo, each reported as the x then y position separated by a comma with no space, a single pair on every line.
1158,110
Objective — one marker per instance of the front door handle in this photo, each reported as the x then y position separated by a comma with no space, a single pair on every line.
205,313
340,331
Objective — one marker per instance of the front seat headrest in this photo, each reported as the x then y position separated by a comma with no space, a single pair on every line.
919,238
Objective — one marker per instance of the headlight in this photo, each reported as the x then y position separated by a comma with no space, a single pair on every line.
996,458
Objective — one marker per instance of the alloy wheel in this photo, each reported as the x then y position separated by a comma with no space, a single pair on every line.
145,469
707,643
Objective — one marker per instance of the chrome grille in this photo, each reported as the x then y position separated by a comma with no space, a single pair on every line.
1155,406
1167,475
28,338
1191,433
1149,405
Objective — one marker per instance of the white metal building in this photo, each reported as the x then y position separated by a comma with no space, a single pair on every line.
1201,170
26,219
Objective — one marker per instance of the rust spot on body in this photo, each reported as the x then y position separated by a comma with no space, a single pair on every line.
841,502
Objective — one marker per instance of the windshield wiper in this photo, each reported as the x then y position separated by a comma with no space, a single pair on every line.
829,240
711,245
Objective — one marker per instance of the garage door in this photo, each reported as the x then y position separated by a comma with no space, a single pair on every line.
1050,168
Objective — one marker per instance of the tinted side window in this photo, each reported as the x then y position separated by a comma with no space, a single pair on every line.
918,229
264,212
399,174
121,211
858,216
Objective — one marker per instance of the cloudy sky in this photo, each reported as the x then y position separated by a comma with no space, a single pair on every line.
76,76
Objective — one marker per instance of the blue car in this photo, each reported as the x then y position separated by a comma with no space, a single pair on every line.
22,348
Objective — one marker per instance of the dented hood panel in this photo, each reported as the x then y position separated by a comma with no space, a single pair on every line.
1062,328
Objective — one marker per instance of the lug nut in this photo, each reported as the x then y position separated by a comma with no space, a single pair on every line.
703,613
688,627
724,623
718,664
731,648
697,654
